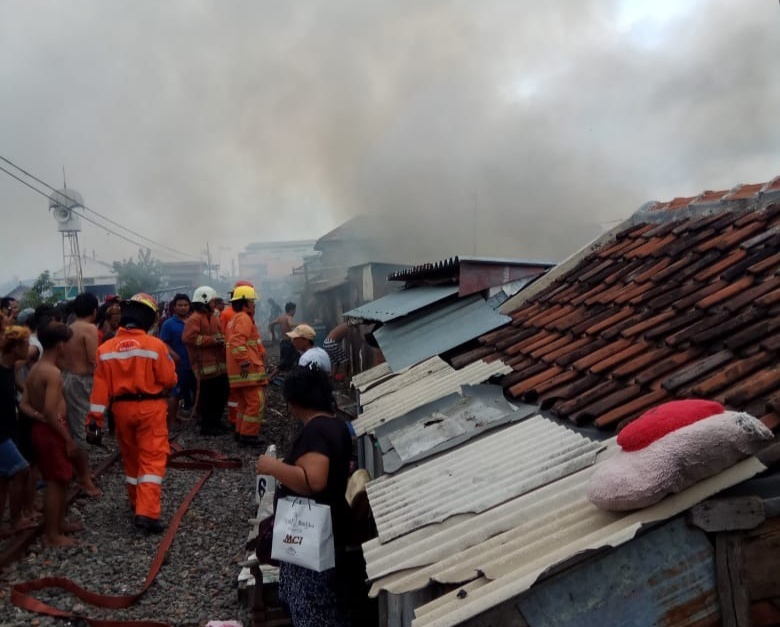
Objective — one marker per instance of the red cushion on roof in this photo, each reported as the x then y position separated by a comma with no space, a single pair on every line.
655,423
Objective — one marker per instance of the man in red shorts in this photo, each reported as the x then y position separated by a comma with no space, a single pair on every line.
44,402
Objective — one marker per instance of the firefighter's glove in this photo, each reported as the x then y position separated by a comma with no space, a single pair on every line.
94,434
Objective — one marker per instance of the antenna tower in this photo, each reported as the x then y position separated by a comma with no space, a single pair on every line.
62,205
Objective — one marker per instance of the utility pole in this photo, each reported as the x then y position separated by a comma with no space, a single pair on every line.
474,241
208,260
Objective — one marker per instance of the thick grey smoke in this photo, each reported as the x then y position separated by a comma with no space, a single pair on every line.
519,126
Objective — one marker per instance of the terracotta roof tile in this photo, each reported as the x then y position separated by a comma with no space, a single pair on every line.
725,263
727,376
696,370
573,345
631,410
607,364
621,396
689,324
727,292
763,266
753,294
756,385
605,352
641,362
529,383
679,304
771,420
667,365
585,398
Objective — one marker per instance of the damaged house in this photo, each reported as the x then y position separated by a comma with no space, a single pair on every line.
479,495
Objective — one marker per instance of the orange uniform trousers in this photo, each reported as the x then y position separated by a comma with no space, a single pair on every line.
251,409
142,432
232,406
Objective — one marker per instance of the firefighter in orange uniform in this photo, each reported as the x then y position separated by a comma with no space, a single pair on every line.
246,366
224,319
133,375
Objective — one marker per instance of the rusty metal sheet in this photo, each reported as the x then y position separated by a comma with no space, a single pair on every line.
665,578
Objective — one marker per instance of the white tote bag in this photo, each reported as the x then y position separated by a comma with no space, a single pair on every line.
303,534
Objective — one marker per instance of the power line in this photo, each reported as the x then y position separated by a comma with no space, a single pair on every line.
106,218
81,215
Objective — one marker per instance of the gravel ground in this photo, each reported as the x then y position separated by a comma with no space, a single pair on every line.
197,583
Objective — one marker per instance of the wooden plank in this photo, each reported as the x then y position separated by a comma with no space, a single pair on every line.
728,514
761,555
732,593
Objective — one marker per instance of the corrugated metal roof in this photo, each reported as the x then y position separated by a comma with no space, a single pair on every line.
665,577
402,380
475,478
362,380
423,390
399,304
446,423
500,553
414,338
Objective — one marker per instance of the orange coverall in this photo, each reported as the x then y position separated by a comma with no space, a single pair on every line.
244,346
224,319
134,364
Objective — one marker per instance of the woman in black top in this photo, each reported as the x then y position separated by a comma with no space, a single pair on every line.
317,468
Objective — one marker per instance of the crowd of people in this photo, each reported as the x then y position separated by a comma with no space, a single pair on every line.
69,371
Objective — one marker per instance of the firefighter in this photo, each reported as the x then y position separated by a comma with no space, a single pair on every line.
246,366
133,376
224,319
206,345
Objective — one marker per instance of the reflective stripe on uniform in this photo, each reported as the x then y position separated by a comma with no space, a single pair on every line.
97,408
131,480
136,352
232,404
252,377
150,479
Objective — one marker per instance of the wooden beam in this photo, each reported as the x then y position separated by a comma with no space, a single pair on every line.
734,603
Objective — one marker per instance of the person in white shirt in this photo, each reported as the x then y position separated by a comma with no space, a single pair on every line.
302,338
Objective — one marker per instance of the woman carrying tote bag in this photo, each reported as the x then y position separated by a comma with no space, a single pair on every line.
317,468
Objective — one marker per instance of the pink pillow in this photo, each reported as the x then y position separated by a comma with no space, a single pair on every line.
655,423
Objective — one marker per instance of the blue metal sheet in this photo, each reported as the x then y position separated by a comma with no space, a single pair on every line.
401,303
413,339
665,577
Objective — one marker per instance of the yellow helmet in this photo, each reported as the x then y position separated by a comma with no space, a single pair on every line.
244,292
146,299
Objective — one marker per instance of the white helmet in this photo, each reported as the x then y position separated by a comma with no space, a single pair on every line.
204,295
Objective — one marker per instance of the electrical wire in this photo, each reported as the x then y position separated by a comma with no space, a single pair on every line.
81,215
106,218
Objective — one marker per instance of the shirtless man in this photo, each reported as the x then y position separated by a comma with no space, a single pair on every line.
78,369
43,401
288,356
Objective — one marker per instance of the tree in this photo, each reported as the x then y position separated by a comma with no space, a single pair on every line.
42,291
141,275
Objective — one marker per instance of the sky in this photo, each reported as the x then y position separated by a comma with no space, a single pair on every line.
498,127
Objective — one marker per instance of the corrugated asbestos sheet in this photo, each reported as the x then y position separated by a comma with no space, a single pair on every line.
423,390
412,339
499,554
665,577
403,379
475,478
399,304
446,423
362,380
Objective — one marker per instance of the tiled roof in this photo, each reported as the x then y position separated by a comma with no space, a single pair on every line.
681,301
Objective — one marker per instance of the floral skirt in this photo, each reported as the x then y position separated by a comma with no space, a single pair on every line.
312,599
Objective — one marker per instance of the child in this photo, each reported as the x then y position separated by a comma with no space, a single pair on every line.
14,469
43,401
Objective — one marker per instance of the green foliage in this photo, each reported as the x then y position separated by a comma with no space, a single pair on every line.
141,275
42,291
